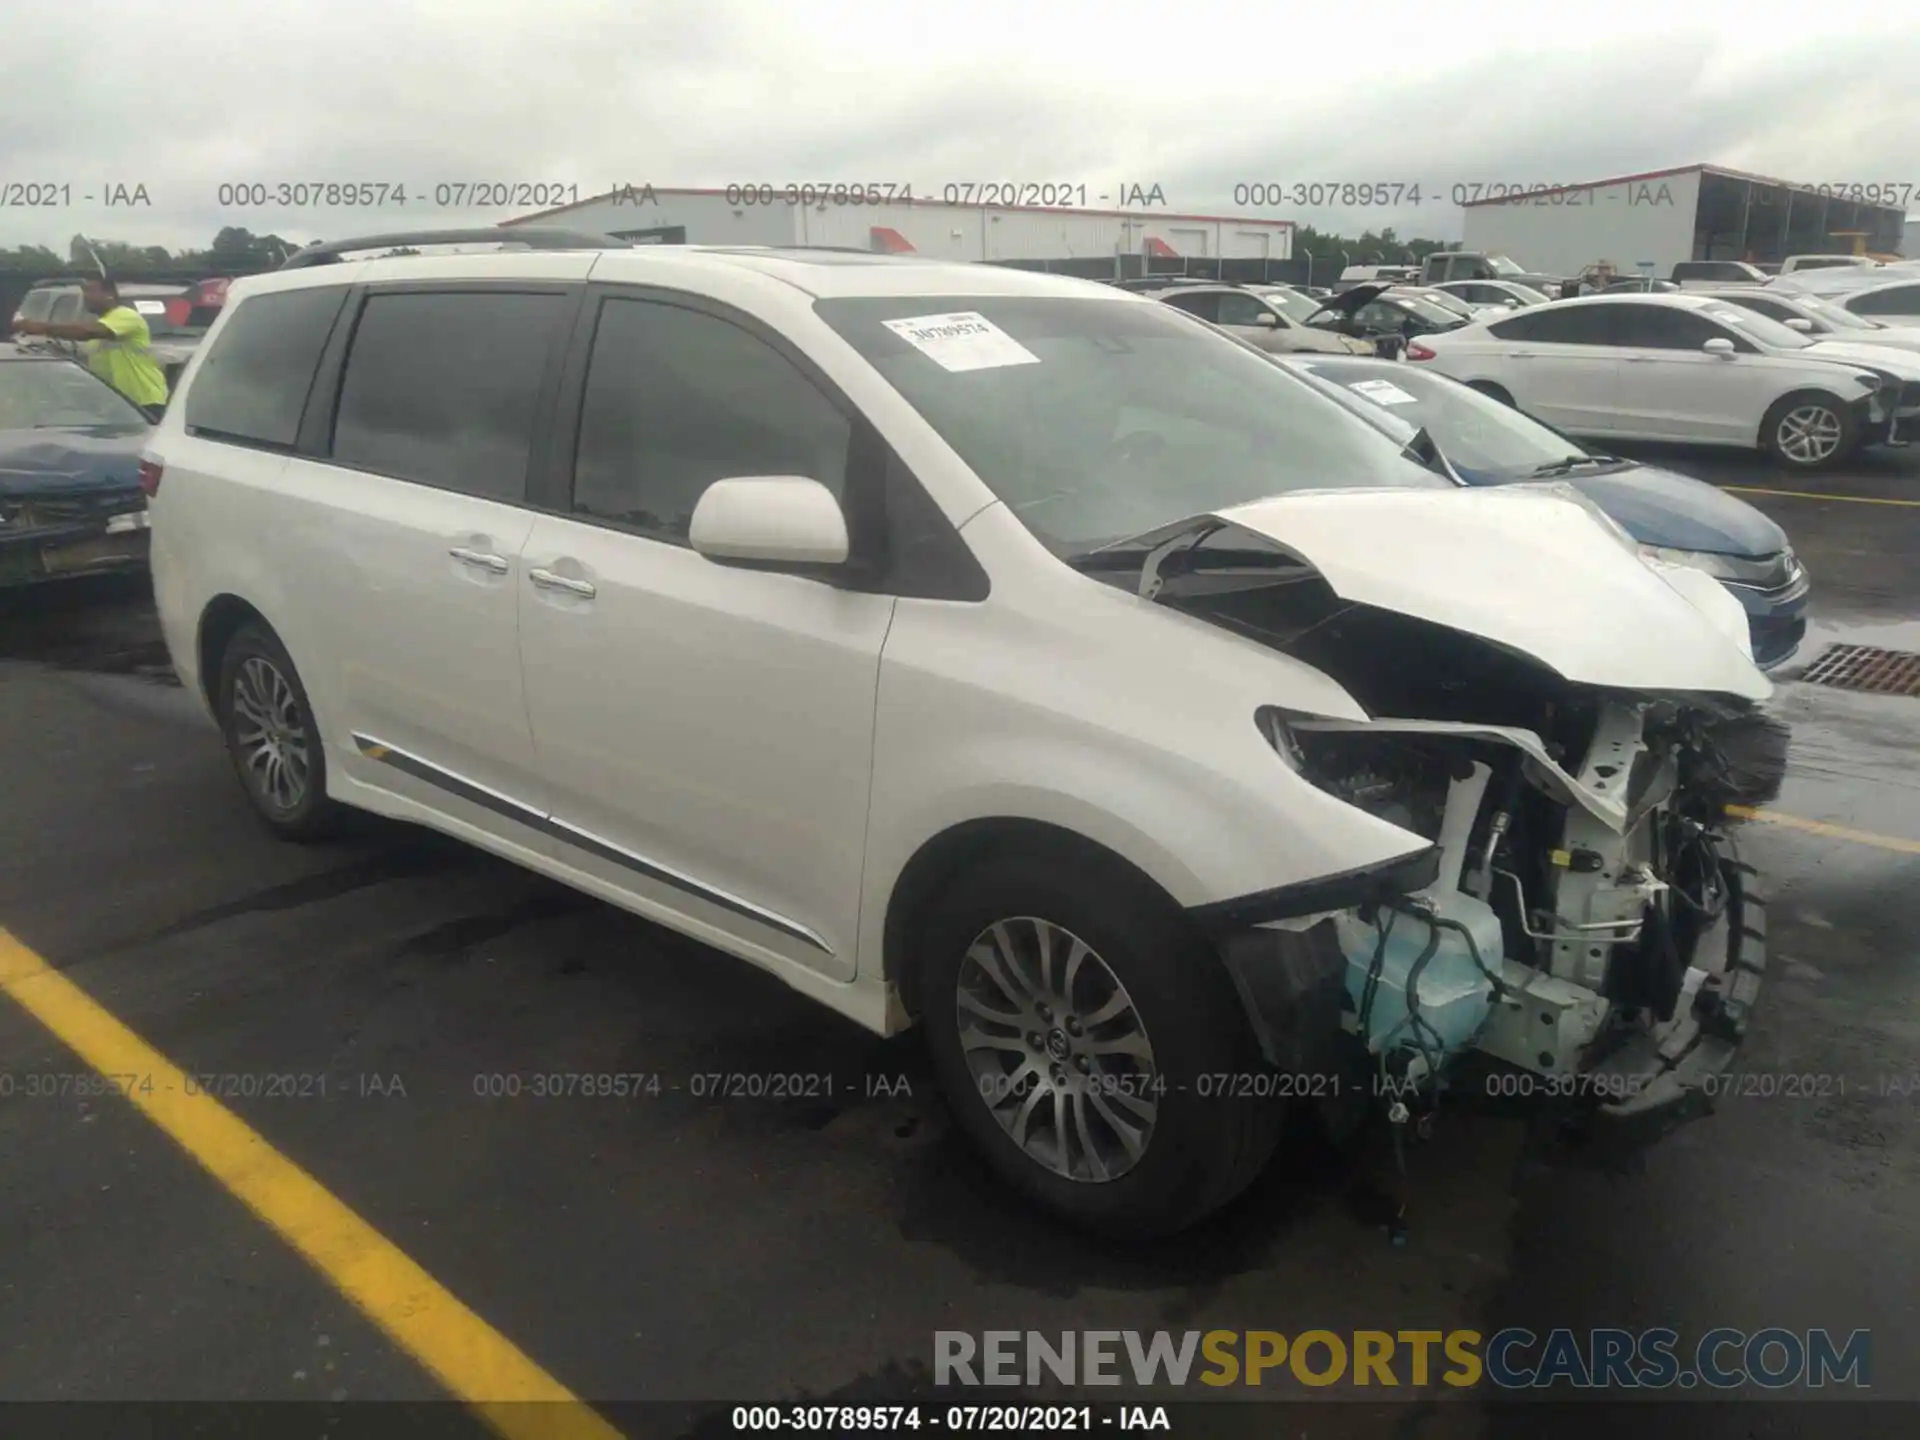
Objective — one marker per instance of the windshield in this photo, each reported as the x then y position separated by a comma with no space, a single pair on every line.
1526,294
1838,316
1428,308
1485,440
37,305
1097,420
1504,266
1291,303
1445,299
1763,330
48,394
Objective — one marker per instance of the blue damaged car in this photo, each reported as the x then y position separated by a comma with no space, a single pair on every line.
70,496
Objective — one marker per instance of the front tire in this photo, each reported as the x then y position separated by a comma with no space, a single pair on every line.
1809,432
271,737
1092,1045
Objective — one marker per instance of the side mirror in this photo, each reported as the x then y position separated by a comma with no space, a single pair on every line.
770,520
1719,346
1268,319
1805,327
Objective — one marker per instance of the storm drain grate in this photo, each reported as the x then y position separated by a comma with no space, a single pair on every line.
1866,667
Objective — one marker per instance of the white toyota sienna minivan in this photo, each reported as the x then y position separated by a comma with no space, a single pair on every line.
976,649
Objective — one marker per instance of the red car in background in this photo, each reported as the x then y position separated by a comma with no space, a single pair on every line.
198,306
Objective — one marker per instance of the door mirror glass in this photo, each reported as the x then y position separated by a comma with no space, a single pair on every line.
1719,346
1805,327
771,520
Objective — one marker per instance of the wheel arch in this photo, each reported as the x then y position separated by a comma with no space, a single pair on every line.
944,857
1770,420
220,620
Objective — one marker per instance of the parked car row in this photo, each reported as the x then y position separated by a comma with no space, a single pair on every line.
1083,621
1692,368
177,316
1809,368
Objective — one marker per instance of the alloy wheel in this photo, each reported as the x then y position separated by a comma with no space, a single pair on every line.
1809,434
1057,1049
269,736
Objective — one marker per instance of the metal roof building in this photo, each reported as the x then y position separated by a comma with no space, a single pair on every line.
1652,221
940,228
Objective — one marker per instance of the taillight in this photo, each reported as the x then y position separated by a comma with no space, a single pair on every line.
1417,351
150,477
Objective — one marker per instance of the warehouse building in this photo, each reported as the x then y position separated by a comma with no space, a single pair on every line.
1654,221
1077,240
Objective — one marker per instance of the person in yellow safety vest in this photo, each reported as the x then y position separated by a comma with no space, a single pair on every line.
116,343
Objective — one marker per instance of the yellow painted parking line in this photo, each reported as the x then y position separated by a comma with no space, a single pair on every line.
476,1363
1821,827
1815,495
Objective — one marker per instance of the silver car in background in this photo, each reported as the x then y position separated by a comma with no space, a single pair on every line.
1272,317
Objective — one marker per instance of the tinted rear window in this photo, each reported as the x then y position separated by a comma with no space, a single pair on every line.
442,388
1558,324
253,383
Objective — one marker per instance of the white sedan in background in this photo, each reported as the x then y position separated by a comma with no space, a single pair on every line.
1820,318
1685,367
1497,294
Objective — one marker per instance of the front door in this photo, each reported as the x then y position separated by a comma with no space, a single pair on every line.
705,731
1559,365
1672,389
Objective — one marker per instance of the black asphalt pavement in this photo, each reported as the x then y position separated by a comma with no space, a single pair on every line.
700,1249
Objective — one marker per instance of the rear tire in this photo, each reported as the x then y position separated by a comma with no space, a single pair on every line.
271,737
1109,1098
1491,391
1809,431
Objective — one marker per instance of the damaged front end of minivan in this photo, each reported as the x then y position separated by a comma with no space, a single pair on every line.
1548,713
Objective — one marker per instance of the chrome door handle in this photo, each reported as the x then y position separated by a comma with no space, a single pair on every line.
547,580
496,563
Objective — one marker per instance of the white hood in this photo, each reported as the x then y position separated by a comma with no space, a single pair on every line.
1536,569
1896,337
1880,357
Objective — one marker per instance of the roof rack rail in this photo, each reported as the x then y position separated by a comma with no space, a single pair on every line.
531,237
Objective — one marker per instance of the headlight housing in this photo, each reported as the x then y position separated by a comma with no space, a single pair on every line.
1721,567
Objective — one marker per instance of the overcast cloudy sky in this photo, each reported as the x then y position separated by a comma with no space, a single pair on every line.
1195,98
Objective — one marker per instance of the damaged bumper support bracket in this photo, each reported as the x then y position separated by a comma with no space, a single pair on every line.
1672,1076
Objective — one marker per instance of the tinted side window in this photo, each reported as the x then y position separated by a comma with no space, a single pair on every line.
1560,324
253,383
441,387
1240,310
1658,328
1207,307
1902,300
677,399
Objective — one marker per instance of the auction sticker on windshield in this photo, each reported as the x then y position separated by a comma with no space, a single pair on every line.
1383,392
963,341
